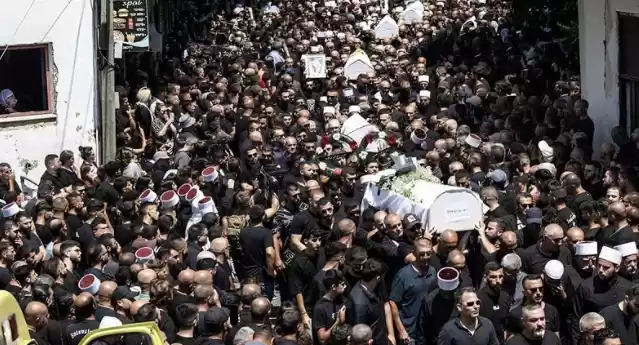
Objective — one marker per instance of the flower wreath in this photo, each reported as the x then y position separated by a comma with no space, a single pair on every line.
375,143
342,144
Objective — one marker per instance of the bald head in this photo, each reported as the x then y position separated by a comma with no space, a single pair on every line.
508,239
632,214
361,334
219,245
35,314
146,276
449,236
202,293
35,309
379,217
260,307
456,258
105,293
553,231
203,278
346,226
575,235
617,210
392,219
186,277
84,305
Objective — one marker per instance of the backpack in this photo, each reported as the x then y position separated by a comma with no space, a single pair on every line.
236,223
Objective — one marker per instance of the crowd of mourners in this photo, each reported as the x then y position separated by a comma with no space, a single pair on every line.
225,218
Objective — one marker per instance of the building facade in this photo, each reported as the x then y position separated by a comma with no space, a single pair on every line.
48,60
609,66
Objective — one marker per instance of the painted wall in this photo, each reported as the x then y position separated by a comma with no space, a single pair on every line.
68,26
599,49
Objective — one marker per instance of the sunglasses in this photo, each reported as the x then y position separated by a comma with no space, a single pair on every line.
473,303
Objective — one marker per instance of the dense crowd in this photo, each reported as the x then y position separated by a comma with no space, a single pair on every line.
233,213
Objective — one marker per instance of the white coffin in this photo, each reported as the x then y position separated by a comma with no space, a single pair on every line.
441,207
387,28
358,63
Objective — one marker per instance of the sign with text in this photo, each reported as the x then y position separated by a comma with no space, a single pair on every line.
131,25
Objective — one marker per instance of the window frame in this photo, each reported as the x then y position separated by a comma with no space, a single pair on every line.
46,49
628,84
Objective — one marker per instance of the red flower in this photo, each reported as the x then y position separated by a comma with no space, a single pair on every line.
325,141
392,141
352,145
368,139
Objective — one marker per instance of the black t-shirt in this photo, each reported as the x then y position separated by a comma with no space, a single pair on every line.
254,241
575,202
325,312
549,338
57,181
73,224
107,193
76,331
568,217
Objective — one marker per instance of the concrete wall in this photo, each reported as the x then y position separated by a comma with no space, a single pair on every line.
599,49
68,26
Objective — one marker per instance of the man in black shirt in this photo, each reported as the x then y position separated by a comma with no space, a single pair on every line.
621,316
469,327
52,164
301,272
364,306
534,330
495,302
329,312
214,326
185,321
258,259
85,321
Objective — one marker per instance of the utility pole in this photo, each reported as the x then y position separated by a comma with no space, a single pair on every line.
108,132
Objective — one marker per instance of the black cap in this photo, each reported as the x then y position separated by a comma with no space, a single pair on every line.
411,220
123,292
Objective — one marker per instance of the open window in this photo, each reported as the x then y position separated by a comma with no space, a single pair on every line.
144,333
26,71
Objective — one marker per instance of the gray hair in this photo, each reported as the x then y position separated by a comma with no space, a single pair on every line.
361,334
511,262
243,335
590,320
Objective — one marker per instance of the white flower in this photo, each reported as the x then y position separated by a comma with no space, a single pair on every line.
404,184
319,150
362,155
336,136
381,135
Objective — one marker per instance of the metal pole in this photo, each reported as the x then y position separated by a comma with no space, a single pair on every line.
108,90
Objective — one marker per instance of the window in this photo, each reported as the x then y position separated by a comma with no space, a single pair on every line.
628,71
26,71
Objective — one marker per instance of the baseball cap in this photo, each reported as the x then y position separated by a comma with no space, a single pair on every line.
123,292
534,215
498,177
411,220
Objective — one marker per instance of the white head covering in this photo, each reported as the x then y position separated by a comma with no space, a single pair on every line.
554,269
611,255
627,249
586,248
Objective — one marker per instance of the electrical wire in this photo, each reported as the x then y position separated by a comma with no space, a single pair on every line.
18,28
56,21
